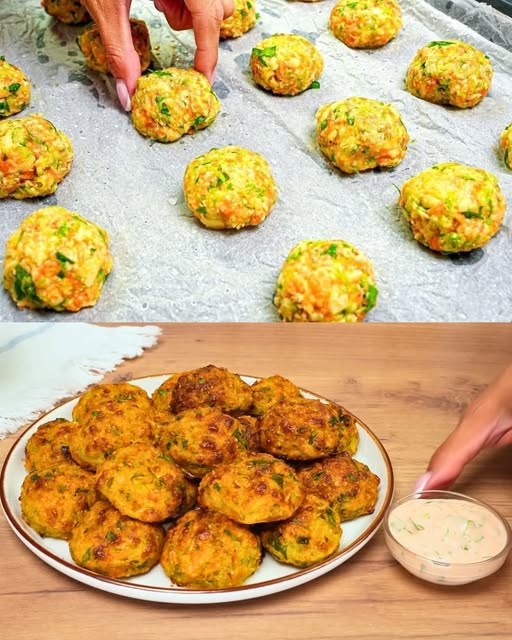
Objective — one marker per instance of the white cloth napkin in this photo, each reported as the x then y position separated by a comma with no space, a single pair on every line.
43,363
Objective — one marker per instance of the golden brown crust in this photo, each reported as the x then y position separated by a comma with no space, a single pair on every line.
49,445
267,391
199,439
142,482
54,500
114,545
254,488
206,550
347,484
211,386
311,535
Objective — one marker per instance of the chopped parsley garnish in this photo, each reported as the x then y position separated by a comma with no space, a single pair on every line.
371,297
261,54
14,87
63,259
314,85
24,286
440,43
162,107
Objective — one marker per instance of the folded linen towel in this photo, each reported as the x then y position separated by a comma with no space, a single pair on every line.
43,363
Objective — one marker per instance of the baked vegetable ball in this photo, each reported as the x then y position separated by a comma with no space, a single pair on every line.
207,550
229,188
347,484
142,482
168,104
365,24
49,445
93,50
285,64
67,11
56,259
240,21
109,421
325,281
300,429
34,157
54,499
506,146
450,72
453,207
211,386
359,134
162,395
114,545
311,535
254,488
267,391
14,89
199,439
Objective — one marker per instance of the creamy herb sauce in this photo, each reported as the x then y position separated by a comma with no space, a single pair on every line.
449,531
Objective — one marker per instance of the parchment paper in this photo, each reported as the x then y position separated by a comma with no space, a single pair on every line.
169,267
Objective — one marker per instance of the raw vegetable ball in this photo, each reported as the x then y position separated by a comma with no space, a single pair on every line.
56,259
67,11
359,134
506,146
34,157
450,72
168,104
453,207
240,21
285,64
325,281
14,89
93,50
365,24
229,188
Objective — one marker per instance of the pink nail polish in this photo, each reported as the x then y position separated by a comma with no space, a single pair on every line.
123,95
422,481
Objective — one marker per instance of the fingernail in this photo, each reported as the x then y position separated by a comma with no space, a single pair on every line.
422,481
123,95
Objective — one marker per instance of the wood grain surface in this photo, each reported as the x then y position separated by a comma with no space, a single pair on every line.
409,384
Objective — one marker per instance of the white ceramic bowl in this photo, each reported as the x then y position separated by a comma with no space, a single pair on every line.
447,549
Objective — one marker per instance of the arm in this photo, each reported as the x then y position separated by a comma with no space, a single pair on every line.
487,422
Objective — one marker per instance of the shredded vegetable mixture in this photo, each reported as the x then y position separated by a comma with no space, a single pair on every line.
240,21
229,188
56,259
93,50
325,281
286,64
34,157
450,72
168,104
14,89
365,24
359,134
453,207
506,146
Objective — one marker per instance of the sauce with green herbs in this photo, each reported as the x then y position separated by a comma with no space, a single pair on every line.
448,531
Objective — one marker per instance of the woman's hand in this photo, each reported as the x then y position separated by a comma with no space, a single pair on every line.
112,18
487,422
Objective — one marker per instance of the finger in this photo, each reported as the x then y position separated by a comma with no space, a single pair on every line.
206,22
112,18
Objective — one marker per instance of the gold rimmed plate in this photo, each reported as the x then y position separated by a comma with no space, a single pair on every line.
271,577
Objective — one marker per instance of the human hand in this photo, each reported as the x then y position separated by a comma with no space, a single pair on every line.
112,18
487,422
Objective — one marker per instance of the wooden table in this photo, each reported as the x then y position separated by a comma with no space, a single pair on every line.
408,383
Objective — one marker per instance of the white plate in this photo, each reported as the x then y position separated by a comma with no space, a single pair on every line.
271,576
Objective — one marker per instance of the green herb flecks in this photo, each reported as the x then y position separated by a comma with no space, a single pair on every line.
87,555
314,85
240,436
4,107
261,54
323,125
371,297
24,286
111,536
63,259
12,88
331,250
349,118
440,43
417,526
275,543
473,214
162,107
199,120
278,478
302,540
